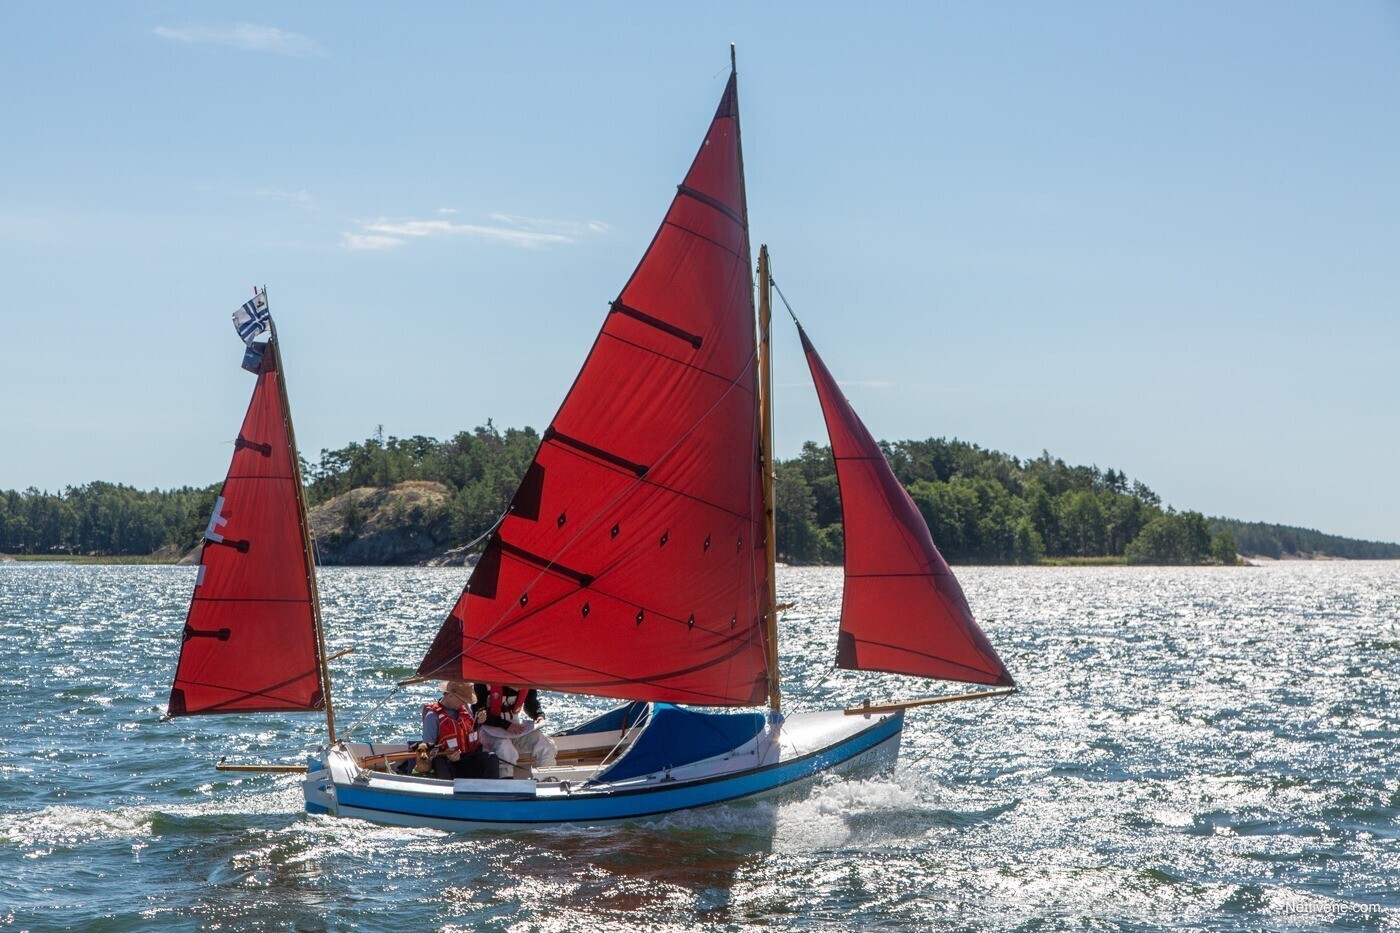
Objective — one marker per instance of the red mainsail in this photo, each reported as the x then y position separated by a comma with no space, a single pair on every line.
631,561
902,610
250,637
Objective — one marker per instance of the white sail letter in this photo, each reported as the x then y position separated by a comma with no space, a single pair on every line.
216,521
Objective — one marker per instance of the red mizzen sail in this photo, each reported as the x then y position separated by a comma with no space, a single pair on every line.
250,637
631,561
902,610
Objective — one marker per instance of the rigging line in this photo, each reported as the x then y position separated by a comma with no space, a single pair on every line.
488,532
807,693
665,356
668,222
602,511
345,736
265,692
626,730
774,283
396,687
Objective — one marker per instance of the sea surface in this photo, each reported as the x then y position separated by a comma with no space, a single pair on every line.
1210,748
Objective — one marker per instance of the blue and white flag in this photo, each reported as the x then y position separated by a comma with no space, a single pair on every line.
252,319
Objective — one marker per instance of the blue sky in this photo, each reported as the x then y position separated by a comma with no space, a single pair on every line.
1154,237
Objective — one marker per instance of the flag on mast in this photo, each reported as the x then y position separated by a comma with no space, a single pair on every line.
252,319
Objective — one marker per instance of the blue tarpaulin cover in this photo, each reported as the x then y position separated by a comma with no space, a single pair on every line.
676,737
624,717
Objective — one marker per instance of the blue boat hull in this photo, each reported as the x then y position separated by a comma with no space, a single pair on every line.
594,803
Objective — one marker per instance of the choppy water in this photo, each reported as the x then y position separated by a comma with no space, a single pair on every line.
1201,747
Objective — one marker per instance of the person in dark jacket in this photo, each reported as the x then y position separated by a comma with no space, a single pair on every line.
499,712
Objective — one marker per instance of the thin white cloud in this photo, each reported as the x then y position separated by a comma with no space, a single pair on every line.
294,198
245,37
528,233
567,228
370,241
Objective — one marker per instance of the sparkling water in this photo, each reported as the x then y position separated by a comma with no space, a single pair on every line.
1199,747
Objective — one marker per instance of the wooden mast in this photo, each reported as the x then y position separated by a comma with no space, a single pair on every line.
765,423
308,553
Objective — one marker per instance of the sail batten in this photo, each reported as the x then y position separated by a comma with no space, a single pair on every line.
630,563
902,610
250,641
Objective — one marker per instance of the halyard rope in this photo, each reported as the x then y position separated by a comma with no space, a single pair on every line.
374,709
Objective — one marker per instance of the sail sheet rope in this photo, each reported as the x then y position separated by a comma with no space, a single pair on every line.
345,736
806,695
399,686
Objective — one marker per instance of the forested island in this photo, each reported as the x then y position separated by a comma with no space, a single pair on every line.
390,500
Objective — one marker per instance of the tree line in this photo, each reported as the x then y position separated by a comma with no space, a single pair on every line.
1265,540
480,468
982,506
106,519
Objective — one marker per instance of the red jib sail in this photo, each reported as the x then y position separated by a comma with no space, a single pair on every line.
631,561
902,610
250,637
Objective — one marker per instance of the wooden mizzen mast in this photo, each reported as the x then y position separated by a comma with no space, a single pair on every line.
307,550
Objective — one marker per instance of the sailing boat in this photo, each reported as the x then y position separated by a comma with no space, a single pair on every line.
636,561
253,639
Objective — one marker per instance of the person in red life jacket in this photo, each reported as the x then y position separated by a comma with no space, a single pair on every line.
505,731
451,739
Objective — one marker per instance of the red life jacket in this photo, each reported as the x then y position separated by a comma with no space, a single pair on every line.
495,703
454,735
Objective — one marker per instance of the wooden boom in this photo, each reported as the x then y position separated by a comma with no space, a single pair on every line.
929,701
